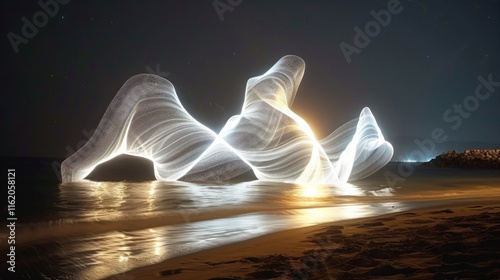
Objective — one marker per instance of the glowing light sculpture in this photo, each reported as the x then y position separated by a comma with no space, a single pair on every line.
147,119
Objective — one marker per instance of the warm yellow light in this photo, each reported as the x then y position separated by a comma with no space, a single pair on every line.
313,190
157,248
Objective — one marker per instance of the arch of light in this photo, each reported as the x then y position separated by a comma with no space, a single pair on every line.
146,119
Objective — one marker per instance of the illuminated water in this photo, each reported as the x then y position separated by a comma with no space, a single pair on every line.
90,230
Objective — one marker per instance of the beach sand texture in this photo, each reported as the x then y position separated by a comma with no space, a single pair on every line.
457,241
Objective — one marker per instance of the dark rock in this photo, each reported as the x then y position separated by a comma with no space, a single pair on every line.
478,159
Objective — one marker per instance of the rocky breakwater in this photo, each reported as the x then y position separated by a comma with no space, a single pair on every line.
483,159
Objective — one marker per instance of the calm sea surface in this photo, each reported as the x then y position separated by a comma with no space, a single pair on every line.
90,230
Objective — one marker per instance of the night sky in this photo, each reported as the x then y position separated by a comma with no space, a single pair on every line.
57,84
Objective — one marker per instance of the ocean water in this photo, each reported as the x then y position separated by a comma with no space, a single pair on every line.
95,229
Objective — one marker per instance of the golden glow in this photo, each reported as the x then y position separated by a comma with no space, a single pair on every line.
224,214
157,247
108,201
314,190
322,190
151,197
312,216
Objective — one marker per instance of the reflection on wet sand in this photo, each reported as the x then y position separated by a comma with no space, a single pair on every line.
106,228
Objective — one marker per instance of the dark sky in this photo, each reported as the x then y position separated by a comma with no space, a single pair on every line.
426,59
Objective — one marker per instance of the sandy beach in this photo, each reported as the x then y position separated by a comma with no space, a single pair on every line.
460,240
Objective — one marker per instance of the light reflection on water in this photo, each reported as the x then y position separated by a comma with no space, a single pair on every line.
102,228
104,201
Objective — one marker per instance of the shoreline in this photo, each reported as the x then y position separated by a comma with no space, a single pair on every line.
301,252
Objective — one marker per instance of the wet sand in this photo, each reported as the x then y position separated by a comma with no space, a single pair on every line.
456,241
